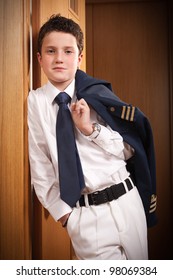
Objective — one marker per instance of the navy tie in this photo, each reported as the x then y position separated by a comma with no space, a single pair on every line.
70,170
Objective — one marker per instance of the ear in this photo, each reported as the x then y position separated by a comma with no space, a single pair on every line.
39,58
79,60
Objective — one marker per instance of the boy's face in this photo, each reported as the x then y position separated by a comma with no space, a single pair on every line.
59,58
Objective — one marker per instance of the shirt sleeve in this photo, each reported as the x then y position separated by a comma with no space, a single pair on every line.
112,142
43,177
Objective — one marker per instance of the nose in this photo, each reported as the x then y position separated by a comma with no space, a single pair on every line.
58,58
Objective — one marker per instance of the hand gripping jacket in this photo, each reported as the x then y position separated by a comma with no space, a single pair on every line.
135,129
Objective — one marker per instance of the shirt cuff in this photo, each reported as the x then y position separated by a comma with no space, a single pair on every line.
59,209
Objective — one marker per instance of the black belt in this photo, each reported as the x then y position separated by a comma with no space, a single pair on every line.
106,195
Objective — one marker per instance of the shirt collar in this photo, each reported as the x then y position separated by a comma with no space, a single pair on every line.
51,91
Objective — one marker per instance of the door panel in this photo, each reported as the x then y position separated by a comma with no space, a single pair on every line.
15,242
128,45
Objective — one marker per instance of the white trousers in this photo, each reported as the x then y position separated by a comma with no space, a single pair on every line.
111,231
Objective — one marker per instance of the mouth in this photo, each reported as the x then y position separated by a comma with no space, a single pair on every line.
59,68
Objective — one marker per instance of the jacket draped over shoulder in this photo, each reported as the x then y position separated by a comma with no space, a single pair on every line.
135,129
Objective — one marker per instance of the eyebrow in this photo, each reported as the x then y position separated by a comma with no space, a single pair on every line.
65,47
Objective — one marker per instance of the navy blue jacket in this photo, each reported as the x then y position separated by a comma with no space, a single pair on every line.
135,129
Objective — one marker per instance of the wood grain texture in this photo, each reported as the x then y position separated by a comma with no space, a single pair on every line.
14,209
134,52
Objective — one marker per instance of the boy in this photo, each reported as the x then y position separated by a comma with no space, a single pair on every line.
114,142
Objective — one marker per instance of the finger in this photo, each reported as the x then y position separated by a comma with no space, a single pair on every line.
79,106
82,102
76,109
73,106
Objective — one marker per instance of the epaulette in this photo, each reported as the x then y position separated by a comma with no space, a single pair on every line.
153,203
127,112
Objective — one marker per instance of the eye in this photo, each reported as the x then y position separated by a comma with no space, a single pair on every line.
50,51
68,51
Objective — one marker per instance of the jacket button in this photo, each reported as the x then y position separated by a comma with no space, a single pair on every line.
112,109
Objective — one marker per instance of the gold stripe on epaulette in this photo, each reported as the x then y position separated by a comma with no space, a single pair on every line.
123,112
128,113
152,207
153,203
153,198
132,114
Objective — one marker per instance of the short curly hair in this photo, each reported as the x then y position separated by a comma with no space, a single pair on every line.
60,24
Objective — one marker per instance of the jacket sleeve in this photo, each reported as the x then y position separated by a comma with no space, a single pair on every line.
136,130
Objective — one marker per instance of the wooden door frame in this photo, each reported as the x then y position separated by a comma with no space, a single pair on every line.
170,24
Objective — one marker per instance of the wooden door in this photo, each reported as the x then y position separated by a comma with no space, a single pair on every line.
15,203
50,240
129,43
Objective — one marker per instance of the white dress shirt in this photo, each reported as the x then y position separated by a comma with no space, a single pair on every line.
102,159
